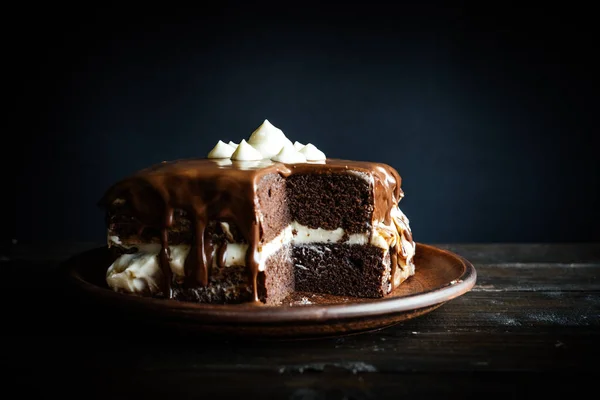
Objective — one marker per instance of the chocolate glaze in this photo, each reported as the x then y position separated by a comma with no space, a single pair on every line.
224,190
222,254
164,258
407,235
393,263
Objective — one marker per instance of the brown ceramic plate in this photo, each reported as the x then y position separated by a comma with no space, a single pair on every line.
440,276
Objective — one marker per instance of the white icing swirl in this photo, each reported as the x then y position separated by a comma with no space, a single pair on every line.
289,155
312,153
221,150
287,142
267,143
245,152
268,139
298,146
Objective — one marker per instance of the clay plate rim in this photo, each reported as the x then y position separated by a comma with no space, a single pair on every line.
244,313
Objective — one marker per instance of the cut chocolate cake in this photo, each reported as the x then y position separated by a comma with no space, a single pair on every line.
256,221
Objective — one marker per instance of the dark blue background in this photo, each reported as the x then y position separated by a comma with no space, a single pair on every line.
488,114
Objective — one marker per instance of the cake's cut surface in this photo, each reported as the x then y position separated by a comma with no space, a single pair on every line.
230,231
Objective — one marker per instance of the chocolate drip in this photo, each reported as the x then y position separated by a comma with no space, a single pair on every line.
404,253
253,259
165,265
407,235
222,254
203,249
386,192
190,267
224,190
393,263
164,255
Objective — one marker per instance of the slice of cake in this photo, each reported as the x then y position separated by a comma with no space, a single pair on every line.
256,221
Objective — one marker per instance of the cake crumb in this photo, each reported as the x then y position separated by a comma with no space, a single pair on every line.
305,300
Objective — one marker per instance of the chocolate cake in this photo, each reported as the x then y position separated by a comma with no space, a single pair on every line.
256,221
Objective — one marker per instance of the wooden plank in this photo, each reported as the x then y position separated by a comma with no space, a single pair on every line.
391,352
185,384
512,329
497,253
532,320
506,331
537,277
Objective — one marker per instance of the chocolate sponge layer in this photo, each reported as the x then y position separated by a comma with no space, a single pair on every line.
272,200
331,201
342,269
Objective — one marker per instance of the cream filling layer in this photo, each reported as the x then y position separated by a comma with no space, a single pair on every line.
140,272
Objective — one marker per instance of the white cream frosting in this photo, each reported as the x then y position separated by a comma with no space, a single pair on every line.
267,142
402,224
246,152
140,272
312,153
221,150
268,139
265,132
289,155
135,273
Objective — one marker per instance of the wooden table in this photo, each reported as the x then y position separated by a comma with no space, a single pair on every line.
531,327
